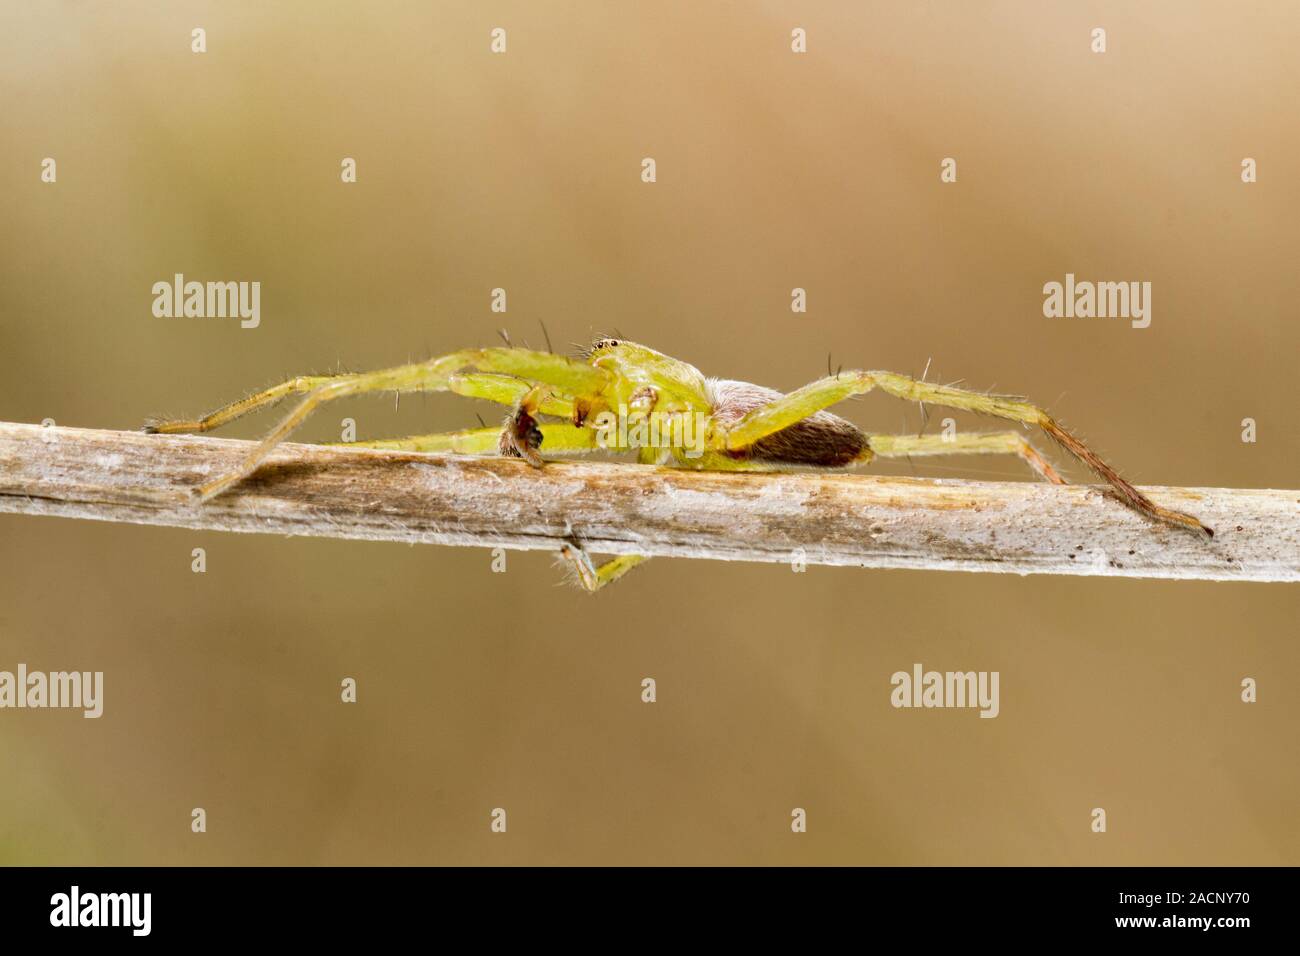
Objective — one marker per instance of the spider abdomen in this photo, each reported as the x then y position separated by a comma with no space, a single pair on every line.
821,440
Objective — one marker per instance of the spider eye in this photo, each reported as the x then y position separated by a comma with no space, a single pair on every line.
607,344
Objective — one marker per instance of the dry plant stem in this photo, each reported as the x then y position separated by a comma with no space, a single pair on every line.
612,508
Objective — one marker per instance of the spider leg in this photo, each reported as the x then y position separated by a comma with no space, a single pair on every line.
555,437
434,375
450,372
468,441
977,443
799,404
509,390
592,577
228,413
505,389
338,388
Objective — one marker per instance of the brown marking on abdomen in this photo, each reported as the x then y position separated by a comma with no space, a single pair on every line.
821,440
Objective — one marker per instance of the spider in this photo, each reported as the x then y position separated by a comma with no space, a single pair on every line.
564,405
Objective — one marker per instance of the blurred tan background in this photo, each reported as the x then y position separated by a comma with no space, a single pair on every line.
775,170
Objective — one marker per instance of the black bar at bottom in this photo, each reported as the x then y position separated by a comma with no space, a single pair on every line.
334,905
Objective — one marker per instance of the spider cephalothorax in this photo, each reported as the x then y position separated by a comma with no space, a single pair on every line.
622,396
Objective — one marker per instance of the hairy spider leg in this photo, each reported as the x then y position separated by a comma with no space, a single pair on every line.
467,441
593,578
437,374
564,374
228,413
512,390
556,437
978,443
799,404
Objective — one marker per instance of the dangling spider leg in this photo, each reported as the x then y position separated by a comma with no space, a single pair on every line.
593,577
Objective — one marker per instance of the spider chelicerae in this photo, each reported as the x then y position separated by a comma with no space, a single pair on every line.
557,402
